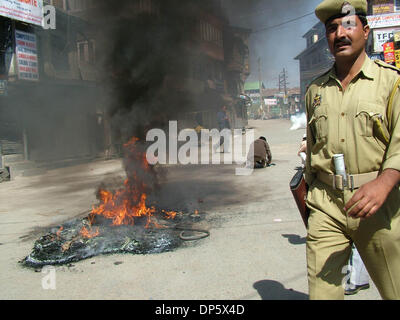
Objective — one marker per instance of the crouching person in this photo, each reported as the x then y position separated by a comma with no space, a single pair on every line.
259,155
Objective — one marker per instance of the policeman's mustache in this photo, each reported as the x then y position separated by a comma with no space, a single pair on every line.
345,42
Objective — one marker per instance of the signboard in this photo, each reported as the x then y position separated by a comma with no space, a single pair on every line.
397,48
397,57
381,7
30,11
384,20
3,87
27,59
271,102
388,51
381,36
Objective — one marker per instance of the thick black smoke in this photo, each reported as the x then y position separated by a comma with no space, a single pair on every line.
141,51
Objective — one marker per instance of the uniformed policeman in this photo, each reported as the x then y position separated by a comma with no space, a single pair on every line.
354,110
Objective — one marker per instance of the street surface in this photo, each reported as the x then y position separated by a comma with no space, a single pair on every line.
256,248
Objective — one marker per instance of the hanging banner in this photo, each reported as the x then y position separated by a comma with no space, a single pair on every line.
30,11
27,59
271,102
388,51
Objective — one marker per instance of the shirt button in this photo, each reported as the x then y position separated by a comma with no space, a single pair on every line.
342,140
343,114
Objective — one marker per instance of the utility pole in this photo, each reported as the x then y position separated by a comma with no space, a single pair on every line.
260,85
283,84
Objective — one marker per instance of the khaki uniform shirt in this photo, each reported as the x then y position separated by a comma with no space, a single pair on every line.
347,122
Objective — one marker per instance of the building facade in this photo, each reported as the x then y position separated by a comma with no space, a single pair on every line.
315,60
45,110
78,87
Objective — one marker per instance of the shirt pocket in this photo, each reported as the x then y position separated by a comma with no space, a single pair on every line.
319,122
370,121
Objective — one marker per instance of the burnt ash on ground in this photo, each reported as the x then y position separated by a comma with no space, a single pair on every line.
65,244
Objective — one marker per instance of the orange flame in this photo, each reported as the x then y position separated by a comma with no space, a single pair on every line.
89,233
129,203
59,232
170,214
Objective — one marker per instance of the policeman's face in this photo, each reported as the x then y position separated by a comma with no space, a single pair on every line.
346,36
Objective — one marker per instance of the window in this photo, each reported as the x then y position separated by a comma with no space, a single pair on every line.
210,33
196,69
86,52
310,40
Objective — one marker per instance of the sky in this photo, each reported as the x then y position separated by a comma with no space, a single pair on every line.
274,39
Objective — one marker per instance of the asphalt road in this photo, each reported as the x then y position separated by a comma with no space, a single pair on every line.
256,247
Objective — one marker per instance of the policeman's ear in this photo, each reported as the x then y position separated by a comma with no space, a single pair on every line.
367,30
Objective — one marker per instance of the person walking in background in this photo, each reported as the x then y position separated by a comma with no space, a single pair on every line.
223,123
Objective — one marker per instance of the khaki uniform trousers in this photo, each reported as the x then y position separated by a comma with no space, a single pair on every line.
331,233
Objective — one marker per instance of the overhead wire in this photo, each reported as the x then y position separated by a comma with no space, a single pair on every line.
277,25
283,23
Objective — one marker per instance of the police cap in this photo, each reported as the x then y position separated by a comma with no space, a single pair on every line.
330,9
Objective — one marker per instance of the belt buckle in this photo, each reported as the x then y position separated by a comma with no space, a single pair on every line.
343,186
335,186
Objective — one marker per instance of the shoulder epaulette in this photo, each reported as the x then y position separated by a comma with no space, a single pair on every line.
321,76
317,79
386,65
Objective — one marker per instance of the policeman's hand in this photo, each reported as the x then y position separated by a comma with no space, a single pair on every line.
370,197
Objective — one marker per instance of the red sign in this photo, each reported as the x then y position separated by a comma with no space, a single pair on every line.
388,51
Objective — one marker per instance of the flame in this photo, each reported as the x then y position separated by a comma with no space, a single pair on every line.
59,232
125,205
170,214
89,233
